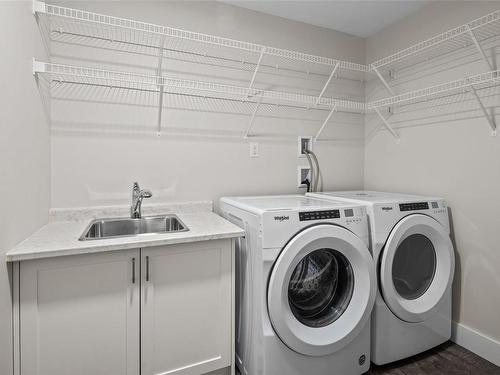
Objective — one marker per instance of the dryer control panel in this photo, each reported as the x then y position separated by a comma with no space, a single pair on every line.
414,206
318,215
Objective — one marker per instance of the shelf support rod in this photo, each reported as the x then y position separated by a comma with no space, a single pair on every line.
489,118
479,48
334,109
386,123
161,86
255,71
252,118
327,82
381,77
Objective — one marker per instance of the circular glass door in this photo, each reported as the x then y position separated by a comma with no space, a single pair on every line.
321,290
416,267
320,287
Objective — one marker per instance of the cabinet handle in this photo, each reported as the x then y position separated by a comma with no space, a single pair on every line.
133,270
147,268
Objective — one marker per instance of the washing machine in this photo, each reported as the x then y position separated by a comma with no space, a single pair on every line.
306,285
413,253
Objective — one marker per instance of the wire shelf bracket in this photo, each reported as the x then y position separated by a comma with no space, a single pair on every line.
255,71
479,48
334,109
161,86
387,124
490,119
327,82
252,118
384,82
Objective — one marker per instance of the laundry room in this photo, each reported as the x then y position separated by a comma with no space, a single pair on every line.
250,187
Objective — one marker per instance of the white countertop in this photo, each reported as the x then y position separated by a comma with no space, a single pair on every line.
61,237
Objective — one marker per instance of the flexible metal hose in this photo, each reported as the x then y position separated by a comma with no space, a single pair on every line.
311,168
318,172
315,171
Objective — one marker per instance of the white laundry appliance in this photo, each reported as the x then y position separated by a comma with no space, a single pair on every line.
413,253
306,286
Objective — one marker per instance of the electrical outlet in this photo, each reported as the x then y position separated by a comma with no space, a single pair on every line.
254,150
302,174
304,143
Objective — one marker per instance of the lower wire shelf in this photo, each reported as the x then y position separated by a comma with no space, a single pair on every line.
77,75
59,74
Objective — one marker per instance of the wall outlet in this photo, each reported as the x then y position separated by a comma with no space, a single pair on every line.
302,174
304,143
254,150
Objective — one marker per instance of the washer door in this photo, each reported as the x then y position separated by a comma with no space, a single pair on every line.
416,267
321,290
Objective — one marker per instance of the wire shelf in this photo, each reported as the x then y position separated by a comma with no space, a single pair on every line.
67,24
77,75
483,28
98,30
478,82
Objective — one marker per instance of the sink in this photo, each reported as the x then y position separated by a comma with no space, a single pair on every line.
123,227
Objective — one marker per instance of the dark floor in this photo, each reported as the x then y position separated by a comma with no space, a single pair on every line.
447,359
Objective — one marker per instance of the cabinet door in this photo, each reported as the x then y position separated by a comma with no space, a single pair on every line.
186,308
79,315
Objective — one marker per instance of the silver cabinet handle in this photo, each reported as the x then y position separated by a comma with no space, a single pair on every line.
133,270
147,268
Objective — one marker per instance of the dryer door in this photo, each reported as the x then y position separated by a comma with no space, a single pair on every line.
416,267
321,290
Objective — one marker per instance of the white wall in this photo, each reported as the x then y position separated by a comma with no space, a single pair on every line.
24,150
201,155
446,150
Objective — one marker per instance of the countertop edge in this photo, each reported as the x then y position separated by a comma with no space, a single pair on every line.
124,246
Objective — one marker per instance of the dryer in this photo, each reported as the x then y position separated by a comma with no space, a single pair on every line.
413,253
305,286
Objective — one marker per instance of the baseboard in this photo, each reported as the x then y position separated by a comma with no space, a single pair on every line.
476,342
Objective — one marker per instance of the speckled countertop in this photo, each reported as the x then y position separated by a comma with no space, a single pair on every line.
60,236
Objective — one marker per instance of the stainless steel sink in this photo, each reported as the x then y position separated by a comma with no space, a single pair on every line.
122,227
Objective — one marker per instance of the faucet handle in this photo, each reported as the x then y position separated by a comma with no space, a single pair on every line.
146,193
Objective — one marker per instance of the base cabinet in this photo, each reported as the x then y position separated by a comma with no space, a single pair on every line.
79,315
154,311
186,308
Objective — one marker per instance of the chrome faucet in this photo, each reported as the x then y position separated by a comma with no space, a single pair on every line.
137,196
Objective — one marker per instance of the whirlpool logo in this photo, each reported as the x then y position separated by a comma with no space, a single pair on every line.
386,209
281,218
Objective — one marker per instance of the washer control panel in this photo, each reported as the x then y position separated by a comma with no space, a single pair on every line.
319,215
414,206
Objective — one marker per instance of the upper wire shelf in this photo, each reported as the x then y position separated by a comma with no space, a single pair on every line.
476,31
89,27
68,24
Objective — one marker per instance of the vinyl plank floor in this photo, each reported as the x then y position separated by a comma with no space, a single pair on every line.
446,359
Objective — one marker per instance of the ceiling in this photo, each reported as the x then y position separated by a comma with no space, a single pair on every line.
362,18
